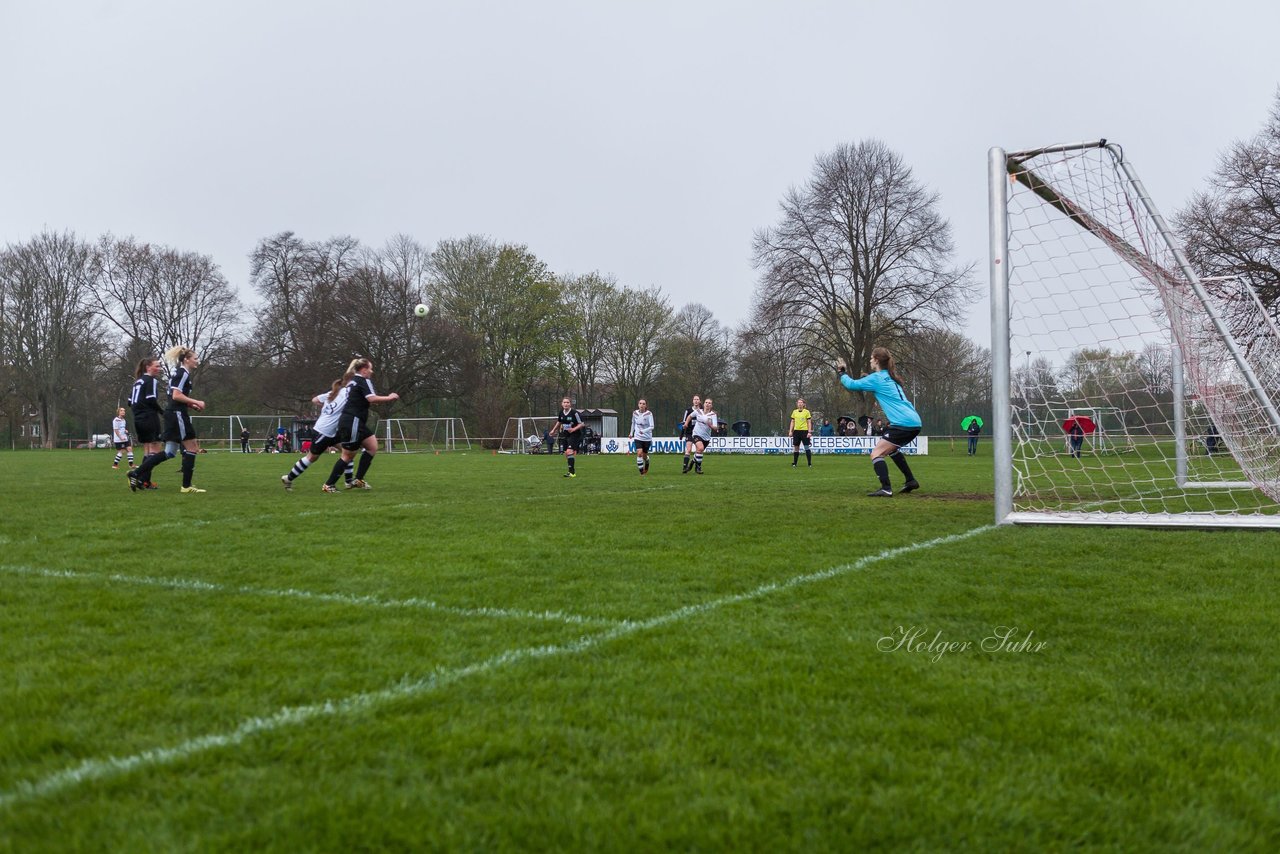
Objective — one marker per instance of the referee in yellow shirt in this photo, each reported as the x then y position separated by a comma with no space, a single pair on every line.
801,421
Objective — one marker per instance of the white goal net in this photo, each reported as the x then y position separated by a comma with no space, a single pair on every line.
1127,390
418,435
527,435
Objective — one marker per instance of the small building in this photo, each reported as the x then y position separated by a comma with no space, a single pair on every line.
601,422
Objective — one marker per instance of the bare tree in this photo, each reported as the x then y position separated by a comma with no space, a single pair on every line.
157,297
861,257
48,326
695,353
637,327
770,373
1233,228
589,303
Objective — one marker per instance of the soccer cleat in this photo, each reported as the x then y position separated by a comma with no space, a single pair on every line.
190,490
288,484
149,485
880,493
358,484
569,474
793,465
115,466
910,485
328,488
134,485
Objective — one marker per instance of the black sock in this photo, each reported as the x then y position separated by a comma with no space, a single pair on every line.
882,472
143,472
338,468
571,459
900,460
808,455
188,467
366,460
795,457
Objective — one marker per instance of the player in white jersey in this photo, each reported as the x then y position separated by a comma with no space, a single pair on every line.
120,437
642,434
704,422
331,406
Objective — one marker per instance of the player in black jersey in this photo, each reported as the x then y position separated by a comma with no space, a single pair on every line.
178,430
569,423
686,430
144,398
353,425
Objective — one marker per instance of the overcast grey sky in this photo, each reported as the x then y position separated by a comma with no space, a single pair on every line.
644,140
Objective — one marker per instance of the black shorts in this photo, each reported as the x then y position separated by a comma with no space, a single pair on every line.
148,427
177,427
571,441
324,443
799,437
120,446
643,444
700,441
900,435
352,432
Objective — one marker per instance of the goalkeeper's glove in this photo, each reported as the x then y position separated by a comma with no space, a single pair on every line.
841,368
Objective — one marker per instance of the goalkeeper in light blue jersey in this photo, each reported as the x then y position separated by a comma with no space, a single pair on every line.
904,421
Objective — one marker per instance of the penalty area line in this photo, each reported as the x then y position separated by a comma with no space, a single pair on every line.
98,769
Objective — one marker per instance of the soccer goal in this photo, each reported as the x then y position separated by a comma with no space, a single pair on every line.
416,435
222,432
526,435
1112,330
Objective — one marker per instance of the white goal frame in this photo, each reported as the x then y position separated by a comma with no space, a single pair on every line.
523,434
1194,316
448,434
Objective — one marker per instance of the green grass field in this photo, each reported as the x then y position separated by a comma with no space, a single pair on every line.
479,654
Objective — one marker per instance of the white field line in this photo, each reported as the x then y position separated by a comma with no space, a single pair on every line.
370,505
307,595
111,766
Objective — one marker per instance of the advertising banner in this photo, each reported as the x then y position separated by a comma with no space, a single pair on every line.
763,445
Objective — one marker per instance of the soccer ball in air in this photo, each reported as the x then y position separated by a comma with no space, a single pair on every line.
420,309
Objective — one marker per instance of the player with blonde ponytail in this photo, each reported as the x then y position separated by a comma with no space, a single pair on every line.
353,425
179,433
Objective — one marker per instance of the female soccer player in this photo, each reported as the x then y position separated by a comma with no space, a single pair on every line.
904,421
120,437
569,424
147,415
642,434
704,422
686,431
178,429
801,422
353,424
331,404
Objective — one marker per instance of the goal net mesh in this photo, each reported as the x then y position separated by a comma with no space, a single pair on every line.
1100,308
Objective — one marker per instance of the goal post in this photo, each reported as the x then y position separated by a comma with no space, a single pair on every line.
425,435
1100,325
526,434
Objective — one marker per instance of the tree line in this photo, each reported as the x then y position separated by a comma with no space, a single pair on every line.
859,257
